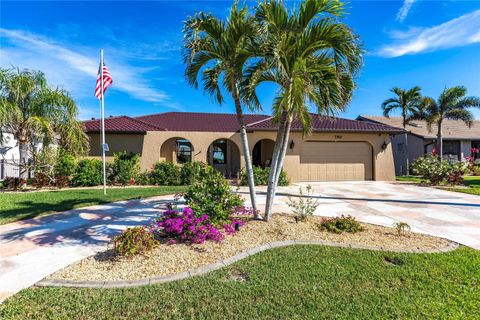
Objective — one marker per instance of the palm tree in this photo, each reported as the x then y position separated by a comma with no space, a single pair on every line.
219,50
452,104
35,113
312,57
408,102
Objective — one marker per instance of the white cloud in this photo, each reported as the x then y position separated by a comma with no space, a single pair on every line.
457,32
71,69
404,10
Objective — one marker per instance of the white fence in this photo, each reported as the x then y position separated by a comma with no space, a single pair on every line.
9,169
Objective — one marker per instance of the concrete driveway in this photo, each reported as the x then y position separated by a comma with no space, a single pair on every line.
451,215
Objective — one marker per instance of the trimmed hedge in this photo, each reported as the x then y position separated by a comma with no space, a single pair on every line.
260,177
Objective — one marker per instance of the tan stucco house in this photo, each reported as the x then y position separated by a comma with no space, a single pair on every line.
458,139
338,149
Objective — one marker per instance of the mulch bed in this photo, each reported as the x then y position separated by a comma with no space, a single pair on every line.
169,259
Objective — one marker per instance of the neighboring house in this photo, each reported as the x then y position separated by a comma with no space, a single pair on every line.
337,149
9,156
458,139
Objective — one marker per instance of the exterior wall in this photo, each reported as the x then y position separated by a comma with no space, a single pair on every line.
415,146
116,143
9,147
200,141
465,149
149,147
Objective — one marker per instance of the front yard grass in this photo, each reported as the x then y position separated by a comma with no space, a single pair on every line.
296,282
413,179
473,182
18,206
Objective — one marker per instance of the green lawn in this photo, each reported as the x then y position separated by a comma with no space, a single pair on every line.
409,179
18,206
298,282
472,181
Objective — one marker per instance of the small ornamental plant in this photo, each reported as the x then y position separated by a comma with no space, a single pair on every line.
341,224
401,227
134,241
305,206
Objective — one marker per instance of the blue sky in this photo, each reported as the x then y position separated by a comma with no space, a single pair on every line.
432,44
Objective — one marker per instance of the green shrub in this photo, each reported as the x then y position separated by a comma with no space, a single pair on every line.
189,172
165,174
88,173
434,171
133,241
126,166
65,164
212,194
64,168
430,169
143,179
341,224
455,173
260,177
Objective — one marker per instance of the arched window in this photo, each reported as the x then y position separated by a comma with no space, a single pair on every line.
184,151
220,152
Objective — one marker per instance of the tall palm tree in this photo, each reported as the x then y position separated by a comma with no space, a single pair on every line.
36,113
408,102
313,58
219,51
451,104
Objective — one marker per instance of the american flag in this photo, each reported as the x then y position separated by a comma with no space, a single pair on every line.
107,81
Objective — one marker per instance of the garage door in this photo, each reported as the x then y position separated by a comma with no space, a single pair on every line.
335,161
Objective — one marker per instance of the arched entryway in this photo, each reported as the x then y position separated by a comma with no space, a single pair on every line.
224,155
262,153
176,150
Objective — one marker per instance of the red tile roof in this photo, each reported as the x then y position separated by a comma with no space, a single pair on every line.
197,121
120,124
226,122
330,124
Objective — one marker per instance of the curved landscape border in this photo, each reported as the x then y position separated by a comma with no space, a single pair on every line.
220,264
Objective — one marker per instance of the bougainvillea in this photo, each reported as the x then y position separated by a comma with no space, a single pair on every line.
184,226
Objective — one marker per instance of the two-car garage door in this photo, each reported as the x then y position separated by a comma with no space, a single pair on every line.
335,161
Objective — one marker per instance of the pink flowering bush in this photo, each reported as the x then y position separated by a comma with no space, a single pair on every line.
185,227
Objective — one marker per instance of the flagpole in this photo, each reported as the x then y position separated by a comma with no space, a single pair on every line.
103,125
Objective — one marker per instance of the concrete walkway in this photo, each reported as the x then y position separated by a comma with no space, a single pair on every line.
32,249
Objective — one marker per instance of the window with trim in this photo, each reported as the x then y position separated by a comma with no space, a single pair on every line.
219,152
184,151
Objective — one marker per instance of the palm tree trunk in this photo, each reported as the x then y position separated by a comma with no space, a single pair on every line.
279,143
246,152
404,117
23,154
283,151
440,140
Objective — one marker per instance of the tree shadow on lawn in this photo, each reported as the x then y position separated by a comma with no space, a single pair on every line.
31,209
84,226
